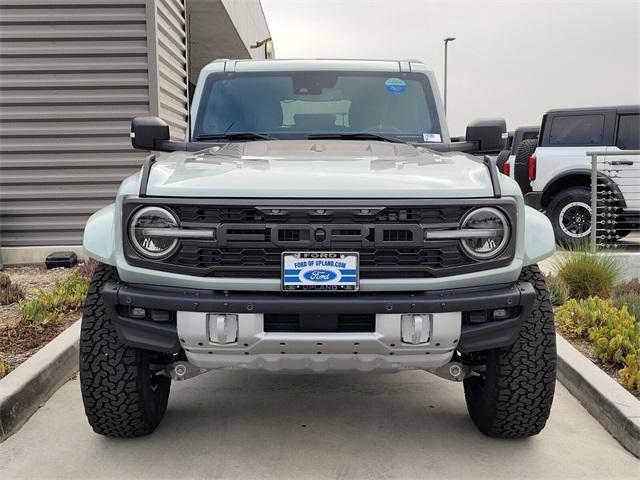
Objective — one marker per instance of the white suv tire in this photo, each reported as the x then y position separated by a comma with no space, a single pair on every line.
570,213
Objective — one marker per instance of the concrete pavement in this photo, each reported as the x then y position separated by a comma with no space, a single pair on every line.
410,425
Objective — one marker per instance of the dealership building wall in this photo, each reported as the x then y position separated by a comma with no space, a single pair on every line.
73,73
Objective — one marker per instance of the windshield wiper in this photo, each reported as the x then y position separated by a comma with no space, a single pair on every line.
356,136
234,136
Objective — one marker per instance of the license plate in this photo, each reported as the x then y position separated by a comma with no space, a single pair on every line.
320,271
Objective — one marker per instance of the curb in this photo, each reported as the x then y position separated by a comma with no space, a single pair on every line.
26,388
608,402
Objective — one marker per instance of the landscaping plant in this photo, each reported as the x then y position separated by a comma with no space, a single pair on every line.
631,301
628,294
614,333
87,268
47,306
631,286
5,281
558,290
11,294
589,274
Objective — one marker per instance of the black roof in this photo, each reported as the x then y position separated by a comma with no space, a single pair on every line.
528,129
616,109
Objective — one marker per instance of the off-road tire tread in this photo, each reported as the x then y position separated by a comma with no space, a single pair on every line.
502,158
521,163
516,400
116,401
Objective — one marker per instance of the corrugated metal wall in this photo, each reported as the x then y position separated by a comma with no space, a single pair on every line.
172,64
72,75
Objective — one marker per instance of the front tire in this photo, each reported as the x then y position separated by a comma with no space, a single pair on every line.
122,395
512,397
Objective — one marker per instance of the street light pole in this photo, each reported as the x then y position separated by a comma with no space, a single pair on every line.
446,45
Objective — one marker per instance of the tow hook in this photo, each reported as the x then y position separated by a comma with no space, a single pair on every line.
454,371
183,370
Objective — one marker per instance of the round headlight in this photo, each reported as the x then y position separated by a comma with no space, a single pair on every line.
146,232
491,233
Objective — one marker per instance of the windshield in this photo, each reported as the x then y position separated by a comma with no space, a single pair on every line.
300,104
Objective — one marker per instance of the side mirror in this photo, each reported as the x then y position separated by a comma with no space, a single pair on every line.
487,134
147,133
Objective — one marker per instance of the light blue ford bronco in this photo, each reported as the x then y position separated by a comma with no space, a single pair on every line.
319,218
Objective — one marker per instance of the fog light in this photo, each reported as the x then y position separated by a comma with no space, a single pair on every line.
223,328
137,312
415,328
500,313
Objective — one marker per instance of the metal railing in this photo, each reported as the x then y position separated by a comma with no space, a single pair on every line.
615,197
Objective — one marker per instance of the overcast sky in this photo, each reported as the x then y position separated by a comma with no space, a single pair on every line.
511,59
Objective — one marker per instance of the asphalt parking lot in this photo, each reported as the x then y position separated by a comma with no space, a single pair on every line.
409,425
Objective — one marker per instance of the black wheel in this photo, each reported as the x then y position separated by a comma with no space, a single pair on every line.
502,158
512,397
122,395
570,215
521,164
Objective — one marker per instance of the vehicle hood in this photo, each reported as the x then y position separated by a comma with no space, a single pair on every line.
319,169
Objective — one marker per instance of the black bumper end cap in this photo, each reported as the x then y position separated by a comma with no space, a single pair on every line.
533,200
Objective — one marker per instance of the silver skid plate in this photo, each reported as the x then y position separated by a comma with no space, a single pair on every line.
381,350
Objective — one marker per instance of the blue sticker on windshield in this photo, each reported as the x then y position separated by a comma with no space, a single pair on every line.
395,86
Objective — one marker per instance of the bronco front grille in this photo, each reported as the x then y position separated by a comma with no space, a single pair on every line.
250,239
265,262
205,214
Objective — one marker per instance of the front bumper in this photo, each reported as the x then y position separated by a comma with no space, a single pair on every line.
629,219
533,200
456,324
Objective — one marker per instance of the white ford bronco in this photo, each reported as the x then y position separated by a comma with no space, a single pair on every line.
556,178
318,218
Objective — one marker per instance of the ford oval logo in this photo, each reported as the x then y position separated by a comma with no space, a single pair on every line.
320,275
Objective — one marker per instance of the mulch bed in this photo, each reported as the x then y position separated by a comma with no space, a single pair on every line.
19,341
586,348
30,278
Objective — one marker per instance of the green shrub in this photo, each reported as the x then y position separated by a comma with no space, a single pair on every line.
47,306
558,290
589,275
614,333
5,281
631,301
